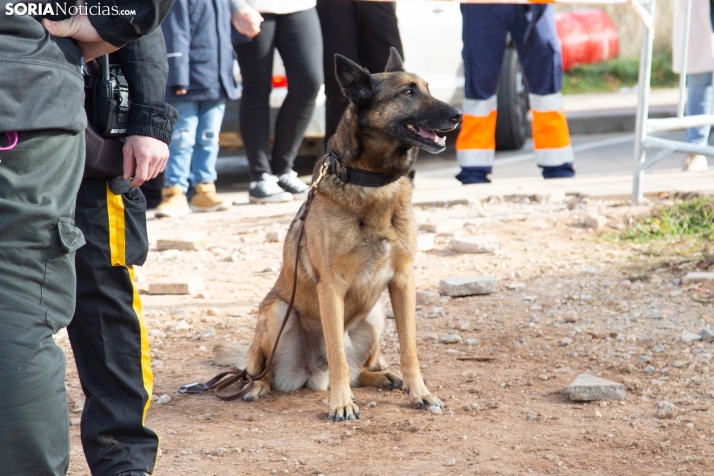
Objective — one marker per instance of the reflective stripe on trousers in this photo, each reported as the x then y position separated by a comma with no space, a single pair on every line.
551,139
476,144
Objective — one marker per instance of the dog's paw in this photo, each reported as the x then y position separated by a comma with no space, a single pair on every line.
344,412
420,397
260,390
426,401
390,380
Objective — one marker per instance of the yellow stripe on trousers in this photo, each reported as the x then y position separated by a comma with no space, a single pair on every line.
117,246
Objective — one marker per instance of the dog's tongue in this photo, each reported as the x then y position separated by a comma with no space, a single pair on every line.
425,133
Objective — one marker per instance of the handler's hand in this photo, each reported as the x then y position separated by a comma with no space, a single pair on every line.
144,158
247,21
81,30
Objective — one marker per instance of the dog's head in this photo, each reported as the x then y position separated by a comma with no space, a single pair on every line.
395,108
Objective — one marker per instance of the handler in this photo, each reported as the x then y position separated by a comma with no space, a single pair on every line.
532,28
108,337
41,165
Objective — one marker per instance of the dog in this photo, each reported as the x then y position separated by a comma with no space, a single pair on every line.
358,241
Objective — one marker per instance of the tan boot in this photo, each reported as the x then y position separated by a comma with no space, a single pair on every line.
173,203
205,199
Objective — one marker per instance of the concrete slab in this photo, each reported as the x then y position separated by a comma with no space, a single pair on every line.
468,286
587,388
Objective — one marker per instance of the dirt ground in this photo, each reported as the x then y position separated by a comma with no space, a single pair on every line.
568,302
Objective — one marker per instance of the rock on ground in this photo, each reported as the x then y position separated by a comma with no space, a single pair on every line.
275,236
689,337
424,298
665,410
189,241
163,399
450,339
594,221
476,244
468,286
587,388
445,226
708,335
697,277
172,286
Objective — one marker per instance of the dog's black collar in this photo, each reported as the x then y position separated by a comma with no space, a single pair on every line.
363,177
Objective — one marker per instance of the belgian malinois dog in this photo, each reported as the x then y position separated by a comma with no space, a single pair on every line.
358,240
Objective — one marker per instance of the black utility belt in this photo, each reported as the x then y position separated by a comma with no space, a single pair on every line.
106,100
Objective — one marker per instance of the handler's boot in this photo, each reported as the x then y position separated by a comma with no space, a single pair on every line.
205,199
173,202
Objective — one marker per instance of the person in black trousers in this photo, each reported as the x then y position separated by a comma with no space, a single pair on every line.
363,32
293,28
107,333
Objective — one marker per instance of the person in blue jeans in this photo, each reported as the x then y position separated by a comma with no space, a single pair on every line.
700,64
200,53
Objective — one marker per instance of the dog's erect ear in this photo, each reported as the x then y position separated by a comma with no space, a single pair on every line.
395,62
355,81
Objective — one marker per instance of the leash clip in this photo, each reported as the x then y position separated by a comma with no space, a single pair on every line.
197,387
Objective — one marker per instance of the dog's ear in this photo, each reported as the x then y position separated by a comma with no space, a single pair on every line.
395,62
355,81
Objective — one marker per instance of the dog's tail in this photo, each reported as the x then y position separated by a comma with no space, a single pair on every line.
230,355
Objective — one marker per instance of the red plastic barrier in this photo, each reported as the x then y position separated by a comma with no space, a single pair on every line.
586,36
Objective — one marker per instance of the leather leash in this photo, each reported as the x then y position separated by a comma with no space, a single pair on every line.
247,381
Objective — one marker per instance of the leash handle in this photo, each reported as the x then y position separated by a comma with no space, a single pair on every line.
226,379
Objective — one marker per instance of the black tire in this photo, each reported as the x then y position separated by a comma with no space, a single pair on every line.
512,122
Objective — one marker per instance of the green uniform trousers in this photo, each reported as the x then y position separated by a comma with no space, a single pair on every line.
39,179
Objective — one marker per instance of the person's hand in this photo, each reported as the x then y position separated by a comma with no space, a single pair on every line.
247,21
180,92
144,158
81,30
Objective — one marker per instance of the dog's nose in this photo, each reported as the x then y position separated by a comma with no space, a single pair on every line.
456,116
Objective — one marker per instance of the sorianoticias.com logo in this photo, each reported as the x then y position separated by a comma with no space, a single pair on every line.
63,9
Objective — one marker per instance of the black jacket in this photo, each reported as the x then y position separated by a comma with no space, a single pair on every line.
41,83
145,68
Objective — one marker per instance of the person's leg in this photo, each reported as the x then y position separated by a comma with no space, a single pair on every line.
484,36
542,61
699,101
181,149
299,42
108,338
178,168
256,67
378,33
203,164
338,22
205,152
39,179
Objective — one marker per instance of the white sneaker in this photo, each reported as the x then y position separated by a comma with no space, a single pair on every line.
267,190
291,183
695,163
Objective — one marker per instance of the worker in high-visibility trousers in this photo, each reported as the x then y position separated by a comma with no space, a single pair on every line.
532,28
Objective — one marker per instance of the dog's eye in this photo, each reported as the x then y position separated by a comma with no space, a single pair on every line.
409,92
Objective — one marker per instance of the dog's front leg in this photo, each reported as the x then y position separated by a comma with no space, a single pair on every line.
403,296
332,317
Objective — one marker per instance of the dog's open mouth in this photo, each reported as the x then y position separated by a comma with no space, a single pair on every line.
425,135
